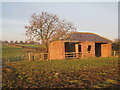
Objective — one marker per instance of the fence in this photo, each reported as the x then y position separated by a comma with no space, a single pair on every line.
28,56
114,53
37,56
13,59
73,55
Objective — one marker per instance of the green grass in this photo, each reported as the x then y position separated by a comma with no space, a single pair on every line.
84,73
10,52
15,53
30,45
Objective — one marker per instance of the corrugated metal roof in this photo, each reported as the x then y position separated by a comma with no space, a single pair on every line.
86,37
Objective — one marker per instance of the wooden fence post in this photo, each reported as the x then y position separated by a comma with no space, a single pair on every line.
29,56
114,53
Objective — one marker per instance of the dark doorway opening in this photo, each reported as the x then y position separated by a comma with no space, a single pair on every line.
79,48
69,47
97,49
70,50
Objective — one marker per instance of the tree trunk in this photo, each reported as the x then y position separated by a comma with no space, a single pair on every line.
47,47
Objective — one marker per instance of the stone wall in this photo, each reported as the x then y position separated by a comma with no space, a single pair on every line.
84,49
56,50
106,50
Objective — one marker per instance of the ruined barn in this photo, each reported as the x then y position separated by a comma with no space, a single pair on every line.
80,45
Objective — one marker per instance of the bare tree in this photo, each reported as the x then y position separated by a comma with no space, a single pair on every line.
16,42
116,45
6,42
21,42
31,42
26,42
11,42
47,27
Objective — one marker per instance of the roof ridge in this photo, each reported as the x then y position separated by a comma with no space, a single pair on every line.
88,33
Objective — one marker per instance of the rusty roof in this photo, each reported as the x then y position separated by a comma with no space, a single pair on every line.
84,36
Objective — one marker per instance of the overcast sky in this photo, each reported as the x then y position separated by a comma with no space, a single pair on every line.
96,17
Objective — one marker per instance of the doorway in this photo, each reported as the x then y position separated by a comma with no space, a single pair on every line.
79,48
98,49
69,47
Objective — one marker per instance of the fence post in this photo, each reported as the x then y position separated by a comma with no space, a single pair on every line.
114,53
34,57
42,56
76,50
29,56
8,60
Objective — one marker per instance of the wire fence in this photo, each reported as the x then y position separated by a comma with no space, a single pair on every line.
115,53
31,56
35,56
13,59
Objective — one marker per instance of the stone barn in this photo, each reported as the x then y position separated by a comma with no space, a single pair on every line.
80,45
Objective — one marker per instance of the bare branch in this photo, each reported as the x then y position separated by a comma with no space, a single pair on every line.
47,28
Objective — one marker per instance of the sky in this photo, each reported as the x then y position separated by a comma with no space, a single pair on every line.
97,17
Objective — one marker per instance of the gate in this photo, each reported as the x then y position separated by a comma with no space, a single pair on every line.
73,55
37,56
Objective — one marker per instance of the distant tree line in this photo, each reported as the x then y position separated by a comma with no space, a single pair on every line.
116,45
18,42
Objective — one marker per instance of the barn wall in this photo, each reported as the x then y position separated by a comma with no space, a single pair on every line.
84,49
106,50
56,50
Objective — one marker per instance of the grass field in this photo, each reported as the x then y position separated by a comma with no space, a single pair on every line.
31,45
9,52
84,73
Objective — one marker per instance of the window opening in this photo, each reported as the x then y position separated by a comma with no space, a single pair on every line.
89,48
